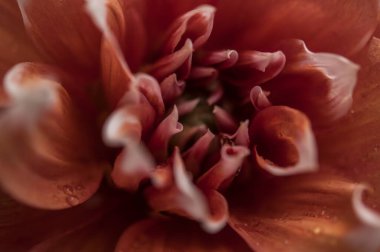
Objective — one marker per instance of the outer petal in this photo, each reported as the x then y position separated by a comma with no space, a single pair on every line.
353,145
319,84
46,152
339,26
15,45
22,227
63,31
175,235
300,213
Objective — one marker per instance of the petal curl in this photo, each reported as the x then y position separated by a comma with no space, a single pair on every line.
283,141
47,155
319,84
63,31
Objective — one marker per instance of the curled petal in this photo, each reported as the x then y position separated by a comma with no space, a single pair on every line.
365,214
185,107
225,122
220,175
117,76
319,84
196,25
283,140
194,156
63,31
171,88
259,98
173,62
203,73
132,166
241,136
254,67
46,153
163,234
218,59
150,88
159,142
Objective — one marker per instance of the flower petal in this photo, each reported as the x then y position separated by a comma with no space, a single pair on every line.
299,213
63,31
175,235
319,84
340,26
283,140
46,154
15,45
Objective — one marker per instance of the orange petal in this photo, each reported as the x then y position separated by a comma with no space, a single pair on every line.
63,31
299,213
319,84
351,147
156,235
340,26
116,74
15,45
47,155
283,141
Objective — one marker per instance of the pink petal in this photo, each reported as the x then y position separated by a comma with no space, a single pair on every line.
219,59
196,25
225,122
218,176
171,89
259,99
159,142
194,156
63,32
162,234
47,154
283,140
319,84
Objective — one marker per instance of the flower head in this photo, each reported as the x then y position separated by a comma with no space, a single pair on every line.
209,112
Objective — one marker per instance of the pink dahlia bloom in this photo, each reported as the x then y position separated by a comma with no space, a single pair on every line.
189,125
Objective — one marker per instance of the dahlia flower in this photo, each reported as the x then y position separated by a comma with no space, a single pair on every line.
193,125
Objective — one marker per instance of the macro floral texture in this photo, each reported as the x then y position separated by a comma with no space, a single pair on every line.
137,125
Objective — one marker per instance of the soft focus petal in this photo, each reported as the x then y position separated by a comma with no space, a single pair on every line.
47,153
177,235
63,31
338,26
300,213
22,227
352,146
283,141
319,84
15,45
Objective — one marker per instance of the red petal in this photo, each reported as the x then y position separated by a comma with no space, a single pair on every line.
15,45
339,26
63,31
319,84
299,213
47,155
168,235
283,140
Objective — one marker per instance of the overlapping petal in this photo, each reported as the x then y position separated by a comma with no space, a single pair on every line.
47,153
63,31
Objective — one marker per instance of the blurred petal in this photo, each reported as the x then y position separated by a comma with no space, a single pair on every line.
21,227
319,84
298,213
63,31
283,140
47,153
177,235
338,26
117,77
15,45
